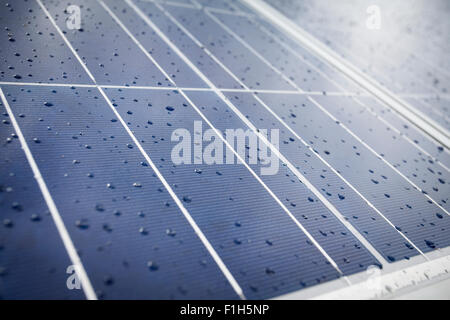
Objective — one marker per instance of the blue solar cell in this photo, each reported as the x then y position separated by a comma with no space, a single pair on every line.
405,207
304,76
413,163
164,56
398,200
131,235
117,212
33,51
189,48
409,130
264,250
109,53
391,245
28,268
243,63
294,46
341,245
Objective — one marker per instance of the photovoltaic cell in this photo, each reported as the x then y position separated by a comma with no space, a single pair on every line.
32,50
244,64
116,210
343,247
381,184
385,183
27,229
246,226
421,169
183,75
408,130
391,245
194,53
305,77
110,55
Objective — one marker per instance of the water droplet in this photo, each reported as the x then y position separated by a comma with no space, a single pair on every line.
82,224
108,280
35,217
152,266
430,244
3,271
171,232
270,271
16,206
107,227
8,223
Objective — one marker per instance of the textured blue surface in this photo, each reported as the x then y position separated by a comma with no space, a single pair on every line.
385,188
408,130
181,74
131,236
414,164
343,248
347,201
111,56
243,63
304,76
33,261
31,49
246,226
80,152
194,53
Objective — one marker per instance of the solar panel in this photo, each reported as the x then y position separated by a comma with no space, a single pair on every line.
341,183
